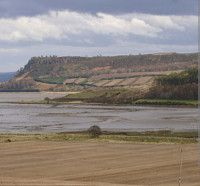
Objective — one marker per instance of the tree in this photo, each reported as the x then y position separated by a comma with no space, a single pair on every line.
95,131
47,99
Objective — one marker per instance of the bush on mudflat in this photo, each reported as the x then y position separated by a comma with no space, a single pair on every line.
95,131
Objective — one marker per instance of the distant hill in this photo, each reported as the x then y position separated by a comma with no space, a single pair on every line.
65,73
6,76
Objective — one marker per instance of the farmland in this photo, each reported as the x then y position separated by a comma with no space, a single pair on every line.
78,73
97,164
114,80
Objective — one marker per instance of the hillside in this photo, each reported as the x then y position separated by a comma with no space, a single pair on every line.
173,89
67,73
183,85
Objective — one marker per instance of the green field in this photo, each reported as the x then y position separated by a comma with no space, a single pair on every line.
50,80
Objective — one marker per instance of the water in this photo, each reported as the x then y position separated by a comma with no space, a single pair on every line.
26,96
49,118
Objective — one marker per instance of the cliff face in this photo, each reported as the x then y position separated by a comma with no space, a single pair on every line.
51,72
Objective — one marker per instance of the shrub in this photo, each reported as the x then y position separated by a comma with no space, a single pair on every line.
95,131
7,140
47,99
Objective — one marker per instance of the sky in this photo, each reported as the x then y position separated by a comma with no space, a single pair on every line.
94,27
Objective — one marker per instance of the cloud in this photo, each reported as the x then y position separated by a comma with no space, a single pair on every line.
27,28
68,33
109,24
166,22
58,25
15,8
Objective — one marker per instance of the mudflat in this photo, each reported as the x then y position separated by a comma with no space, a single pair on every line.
95,164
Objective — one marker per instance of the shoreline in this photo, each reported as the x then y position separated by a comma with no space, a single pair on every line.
149,137
89,100
103,104
42,92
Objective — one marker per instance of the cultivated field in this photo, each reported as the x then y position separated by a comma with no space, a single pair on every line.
101,83
114,82
127,81
96,164
144,80
122,79
44,86
70,80
80,80
131,74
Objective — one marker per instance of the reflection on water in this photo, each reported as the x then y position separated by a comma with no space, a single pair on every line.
41,118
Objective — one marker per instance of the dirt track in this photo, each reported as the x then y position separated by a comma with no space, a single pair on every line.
64,163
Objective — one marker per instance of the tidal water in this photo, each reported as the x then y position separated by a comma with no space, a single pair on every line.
51,118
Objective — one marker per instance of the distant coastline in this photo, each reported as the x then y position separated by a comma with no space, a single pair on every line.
6,76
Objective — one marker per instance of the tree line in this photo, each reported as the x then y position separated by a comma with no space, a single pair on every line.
183,85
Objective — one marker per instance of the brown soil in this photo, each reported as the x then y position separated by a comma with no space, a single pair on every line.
127,81
131,74
44,86
21,77
84,163
102,82
70,80
143,80
101,68
114,82
80,80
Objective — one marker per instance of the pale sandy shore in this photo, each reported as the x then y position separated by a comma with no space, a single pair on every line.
96,164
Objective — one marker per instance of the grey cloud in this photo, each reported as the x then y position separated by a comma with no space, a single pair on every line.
14,8
99,36
59,25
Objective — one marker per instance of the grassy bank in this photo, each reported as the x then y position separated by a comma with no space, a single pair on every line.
166,102
121,97
114,137
112,96
153,102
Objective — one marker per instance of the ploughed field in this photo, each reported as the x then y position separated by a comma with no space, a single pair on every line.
91,163
109,80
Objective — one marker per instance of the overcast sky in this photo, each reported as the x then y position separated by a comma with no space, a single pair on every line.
94,27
